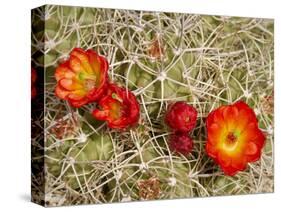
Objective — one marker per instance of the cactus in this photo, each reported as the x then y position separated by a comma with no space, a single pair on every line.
206,61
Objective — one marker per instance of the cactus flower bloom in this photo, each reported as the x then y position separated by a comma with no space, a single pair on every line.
181,117
119,108
233,137
82,78
33,83
180,143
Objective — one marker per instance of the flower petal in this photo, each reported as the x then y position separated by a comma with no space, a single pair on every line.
75,64
100,115
63,71
61,92
94,60
84,59
211,150
79,103
70,84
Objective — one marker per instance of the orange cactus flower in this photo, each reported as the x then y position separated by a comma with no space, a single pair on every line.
33,83
119,108
82,78
233,137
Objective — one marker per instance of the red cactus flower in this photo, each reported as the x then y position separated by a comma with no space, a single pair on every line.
181,117
82,78
33,83
234,138
180,143
118,107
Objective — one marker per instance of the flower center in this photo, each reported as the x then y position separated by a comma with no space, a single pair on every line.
115,110
118,108
90,81
89,84
231,138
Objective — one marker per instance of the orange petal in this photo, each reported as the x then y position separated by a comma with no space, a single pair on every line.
61,93
77,95
216,133
84,59
75,64
63,71
70,84
230,114
94,60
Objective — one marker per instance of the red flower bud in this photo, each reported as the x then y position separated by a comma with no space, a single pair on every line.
181,143
181,117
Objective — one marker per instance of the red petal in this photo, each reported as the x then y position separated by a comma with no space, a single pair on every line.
230,171
118,124
224,159
251,148
79,103
104,64
254,134
239,162
100,115
96,93
211,150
